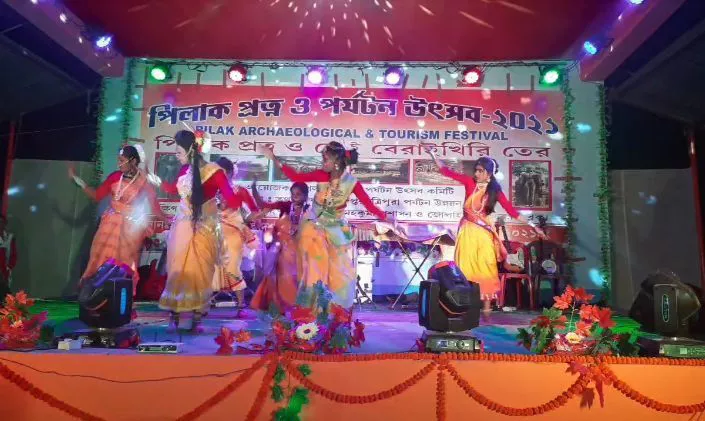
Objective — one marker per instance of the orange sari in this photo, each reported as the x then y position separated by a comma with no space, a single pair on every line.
279,286
123,226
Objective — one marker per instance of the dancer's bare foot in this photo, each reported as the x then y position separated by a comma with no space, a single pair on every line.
196,323
173,323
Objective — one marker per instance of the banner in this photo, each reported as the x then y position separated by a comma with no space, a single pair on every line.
390,129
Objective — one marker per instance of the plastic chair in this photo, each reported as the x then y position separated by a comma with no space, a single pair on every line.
521,278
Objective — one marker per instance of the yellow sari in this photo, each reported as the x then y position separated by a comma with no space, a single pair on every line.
478,249
191,254
323,244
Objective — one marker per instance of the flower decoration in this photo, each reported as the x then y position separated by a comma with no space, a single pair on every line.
589,334
307,331
203,141
19,329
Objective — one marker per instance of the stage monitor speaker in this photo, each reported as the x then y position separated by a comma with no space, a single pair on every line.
105,300
665,305
447,301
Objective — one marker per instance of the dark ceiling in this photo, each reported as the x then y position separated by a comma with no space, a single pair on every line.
35,71
666,75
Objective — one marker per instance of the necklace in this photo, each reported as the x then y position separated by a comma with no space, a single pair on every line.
120,191
482,201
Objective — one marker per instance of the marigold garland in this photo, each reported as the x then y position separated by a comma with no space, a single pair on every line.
591,369
41,395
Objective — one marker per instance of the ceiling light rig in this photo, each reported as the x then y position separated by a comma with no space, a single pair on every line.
600,43
160,72
472,76
238,73
393,76
316,75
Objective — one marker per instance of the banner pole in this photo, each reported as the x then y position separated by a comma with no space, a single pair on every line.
698,205
9,157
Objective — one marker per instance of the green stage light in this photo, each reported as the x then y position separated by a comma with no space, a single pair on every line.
160,72
550,75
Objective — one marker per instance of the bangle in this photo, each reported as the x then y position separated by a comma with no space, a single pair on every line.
532,224
80,183
154,179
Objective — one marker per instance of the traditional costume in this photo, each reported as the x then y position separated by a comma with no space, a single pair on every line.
125,224
280,284
324,236
478,248
193,251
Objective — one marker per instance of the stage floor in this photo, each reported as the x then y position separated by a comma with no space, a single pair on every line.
386,331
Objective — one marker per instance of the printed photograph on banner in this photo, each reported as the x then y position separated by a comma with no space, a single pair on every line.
426,172
249,167
382,171
167,167
299,163
530,187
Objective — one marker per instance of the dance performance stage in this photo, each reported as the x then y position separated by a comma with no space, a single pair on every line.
384,379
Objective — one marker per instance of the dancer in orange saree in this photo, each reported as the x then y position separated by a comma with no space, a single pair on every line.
478,248
237,238
126,223
193,242
324,236
279,284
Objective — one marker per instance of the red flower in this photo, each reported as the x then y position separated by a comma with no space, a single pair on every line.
583,328
340,314
541,321
302,315
604,318
243,336
563,302
588,313
581,295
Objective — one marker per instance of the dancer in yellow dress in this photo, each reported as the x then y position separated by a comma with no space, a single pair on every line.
237,238
193,243
478,248
324,236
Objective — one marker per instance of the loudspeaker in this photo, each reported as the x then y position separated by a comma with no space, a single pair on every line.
105,300
447,301
666,306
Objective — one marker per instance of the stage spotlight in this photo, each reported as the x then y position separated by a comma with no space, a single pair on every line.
103,41
550,75
449,306
316,75
160,72
238,73
590,48
472,76
393,76
636,2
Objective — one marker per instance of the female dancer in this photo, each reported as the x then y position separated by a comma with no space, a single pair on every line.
236,236
125,224
324,236
279,285
193,240
478,247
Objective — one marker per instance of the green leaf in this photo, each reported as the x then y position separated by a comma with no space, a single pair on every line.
305,369
277,393
279,374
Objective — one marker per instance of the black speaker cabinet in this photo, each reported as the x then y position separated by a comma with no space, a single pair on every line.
105,300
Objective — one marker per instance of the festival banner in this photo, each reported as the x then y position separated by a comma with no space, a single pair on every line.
390,129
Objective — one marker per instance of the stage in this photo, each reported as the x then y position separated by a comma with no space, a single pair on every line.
383,380
386,331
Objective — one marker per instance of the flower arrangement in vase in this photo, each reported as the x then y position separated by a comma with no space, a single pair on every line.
19,329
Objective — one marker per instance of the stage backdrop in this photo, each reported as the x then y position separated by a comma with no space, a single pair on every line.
510,118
